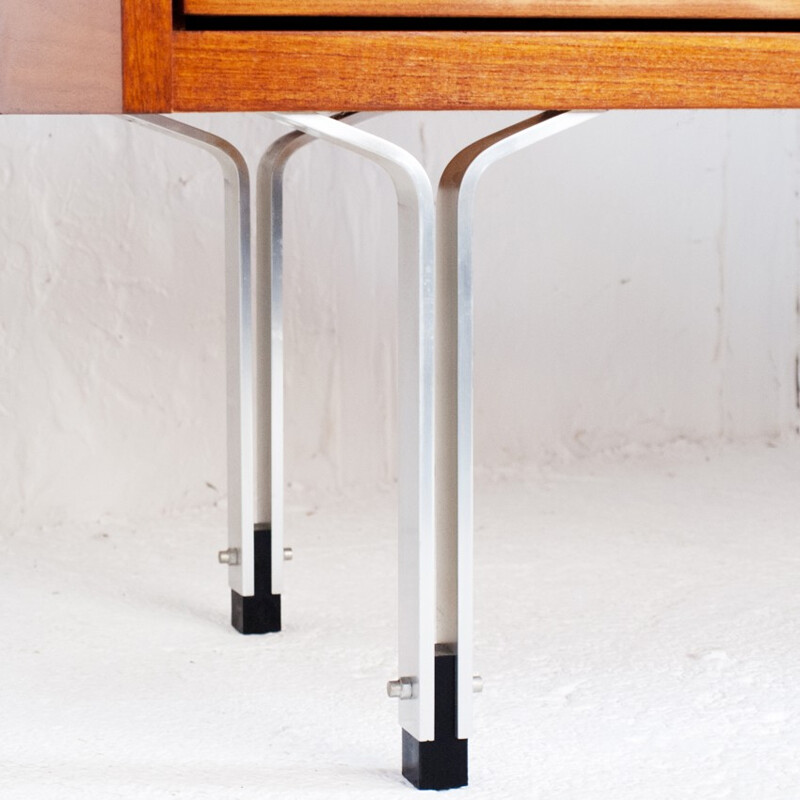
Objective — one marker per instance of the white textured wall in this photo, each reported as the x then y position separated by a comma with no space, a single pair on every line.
636,283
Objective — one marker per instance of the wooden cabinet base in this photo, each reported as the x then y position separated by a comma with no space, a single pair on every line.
366,70
72,56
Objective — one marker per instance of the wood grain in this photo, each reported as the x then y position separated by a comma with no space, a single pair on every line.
147,55
60,56
706,9
481,70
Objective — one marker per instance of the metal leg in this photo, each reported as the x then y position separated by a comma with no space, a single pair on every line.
240,554
454,479
269,482
416,513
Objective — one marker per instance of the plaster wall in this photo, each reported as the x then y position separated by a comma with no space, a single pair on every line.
636,284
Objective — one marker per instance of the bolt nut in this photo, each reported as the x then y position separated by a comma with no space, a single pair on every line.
288,554
402,689
477,684
229,556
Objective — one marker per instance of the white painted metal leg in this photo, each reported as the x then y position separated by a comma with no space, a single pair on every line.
454,477
239,337
269,457
415,387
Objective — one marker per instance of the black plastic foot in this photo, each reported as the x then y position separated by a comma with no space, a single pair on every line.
442,763
262,612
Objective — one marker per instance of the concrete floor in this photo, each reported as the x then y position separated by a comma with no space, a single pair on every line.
638,629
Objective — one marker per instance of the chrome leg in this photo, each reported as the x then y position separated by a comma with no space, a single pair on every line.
239,348
454,477
269,482
415,386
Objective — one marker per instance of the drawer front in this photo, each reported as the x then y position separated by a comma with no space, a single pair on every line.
641,9
240,55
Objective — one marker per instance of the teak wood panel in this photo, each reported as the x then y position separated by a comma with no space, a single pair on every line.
60,56
483,70
147,50
706,9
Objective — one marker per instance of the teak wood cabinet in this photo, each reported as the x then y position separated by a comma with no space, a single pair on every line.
97,56
71,56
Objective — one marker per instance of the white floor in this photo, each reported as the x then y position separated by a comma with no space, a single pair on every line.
638,630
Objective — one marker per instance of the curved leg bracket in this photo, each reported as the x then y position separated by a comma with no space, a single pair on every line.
454,350
415,387
239,344
269,484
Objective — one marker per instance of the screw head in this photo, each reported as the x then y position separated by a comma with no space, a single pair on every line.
288,554
402,689
229,556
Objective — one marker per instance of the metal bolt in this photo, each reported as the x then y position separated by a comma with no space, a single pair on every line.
229,556
402,689
288,554
477,684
